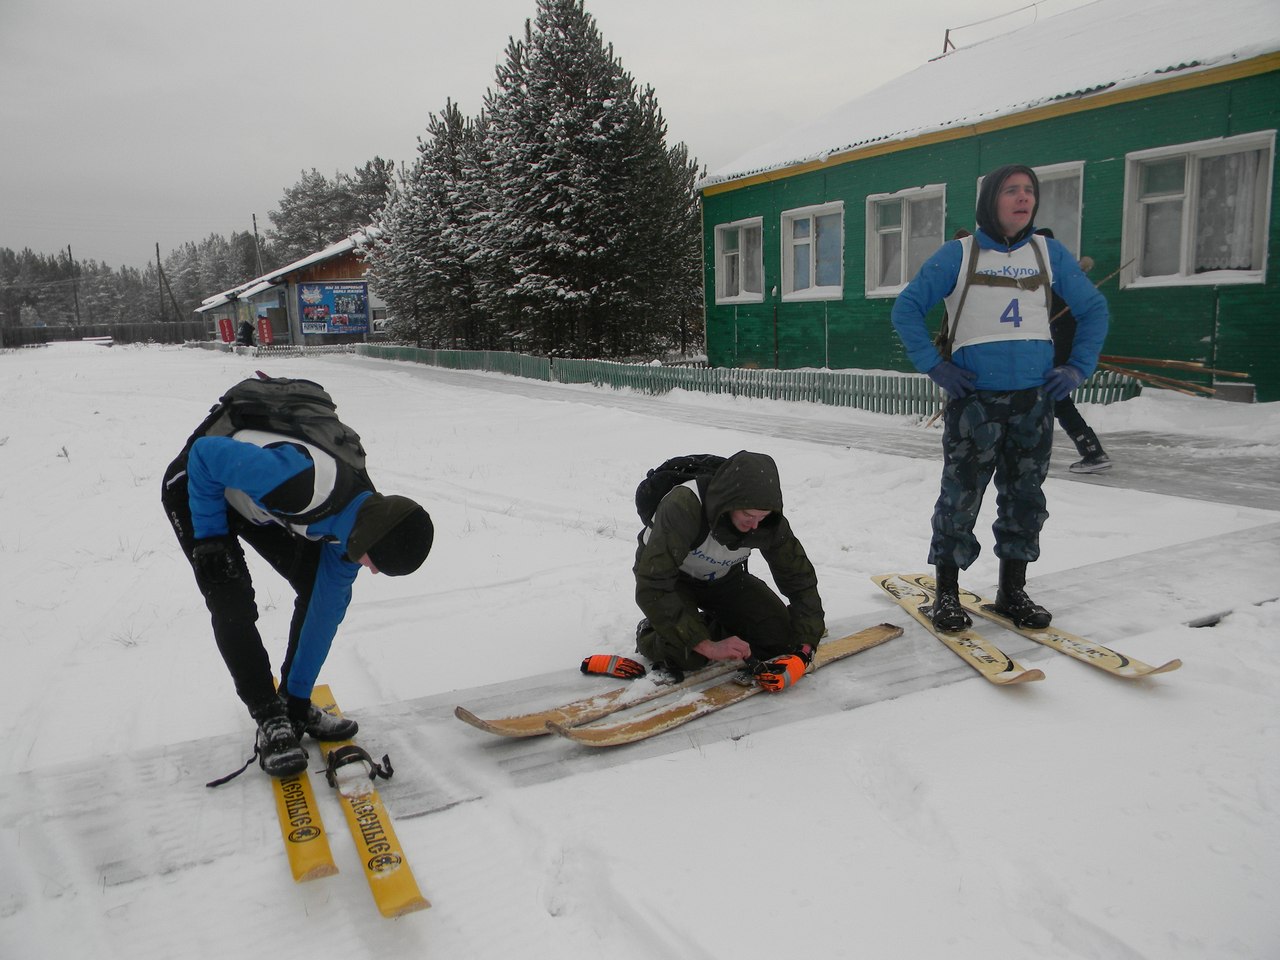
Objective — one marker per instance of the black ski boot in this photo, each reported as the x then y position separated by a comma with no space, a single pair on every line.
1095,458
309,719
947,614
1012,600
277,747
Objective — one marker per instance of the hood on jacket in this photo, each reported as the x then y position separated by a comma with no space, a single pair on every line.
988,220
746,481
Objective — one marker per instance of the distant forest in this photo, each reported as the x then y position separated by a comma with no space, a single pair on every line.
52,290
558,221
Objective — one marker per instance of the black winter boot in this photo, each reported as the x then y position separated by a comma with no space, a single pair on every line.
1012,600
309,719
277,747
947,614
1095,458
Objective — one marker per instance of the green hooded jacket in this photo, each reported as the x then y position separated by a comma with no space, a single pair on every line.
682,523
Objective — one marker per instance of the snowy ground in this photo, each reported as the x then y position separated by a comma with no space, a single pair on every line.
1080,817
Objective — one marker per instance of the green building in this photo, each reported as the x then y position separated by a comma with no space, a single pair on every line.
1152,126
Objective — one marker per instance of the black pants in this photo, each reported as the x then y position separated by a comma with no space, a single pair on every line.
232,605
1069,418
740,605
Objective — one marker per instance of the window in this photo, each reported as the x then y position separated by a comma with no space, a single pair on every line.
739,262
1198,213
1060,202
904,229
813,253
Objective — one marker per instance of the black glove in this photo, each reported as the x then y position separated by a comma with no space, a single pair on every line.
215,561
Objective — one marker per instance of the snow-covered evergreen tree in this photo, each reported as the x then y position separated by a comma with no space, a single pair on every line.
316,211
576,255
420,260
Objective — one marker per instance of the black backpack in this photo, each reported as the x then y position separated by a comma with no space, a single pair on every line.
294,408
665,477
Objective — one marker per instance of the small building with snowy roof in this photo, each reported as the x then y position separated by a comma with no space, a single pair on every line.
1151,125
322,298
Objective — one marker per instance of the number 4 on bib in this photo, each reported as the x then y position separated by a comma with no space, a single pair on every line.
1011,314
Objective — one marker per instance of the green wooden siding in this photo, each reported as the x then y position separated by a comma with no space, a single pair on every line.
1226,326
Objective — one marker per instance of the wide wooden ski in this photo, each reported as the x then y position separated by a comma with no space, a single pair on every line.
1087,651
654,722
974,649
591,708
386,867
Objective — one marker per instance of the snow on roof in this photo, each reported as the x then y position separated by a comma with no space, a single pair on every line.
357,239
258,284
1105,45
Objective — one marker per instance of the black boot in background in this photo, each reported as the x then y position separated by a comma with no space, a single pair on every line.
1095,458
947,614
1012,600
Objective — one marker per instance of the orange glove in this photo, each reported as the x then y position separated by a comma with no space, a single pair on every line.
612,666
781,672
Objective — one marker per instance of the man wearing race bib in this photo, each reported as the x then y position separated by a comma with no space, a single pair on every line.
995,364
699,601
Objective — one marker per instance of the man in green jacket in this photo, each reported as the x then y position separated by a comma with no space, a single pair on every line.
692,583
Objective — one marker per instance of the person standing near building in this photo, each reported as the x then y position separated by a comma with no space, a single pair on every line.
699,601
1062,326
997,369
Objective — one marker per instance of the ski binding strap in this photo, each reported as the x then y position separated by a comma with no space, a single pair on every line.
350,753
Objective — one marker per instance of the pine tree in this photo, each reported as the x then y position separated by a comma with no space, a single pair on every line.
304,221
419,261
583,210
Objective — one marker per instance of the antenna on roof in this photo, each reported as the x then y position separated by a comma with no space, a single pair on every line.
948,46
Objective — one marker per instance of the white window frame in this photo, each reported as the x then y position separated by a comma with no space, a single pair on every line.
1132,239
872,247
722,265
1058,171
788,244
1073,169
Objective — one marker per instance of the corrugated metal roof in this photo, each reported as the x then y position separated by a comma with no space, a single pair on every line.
1101,46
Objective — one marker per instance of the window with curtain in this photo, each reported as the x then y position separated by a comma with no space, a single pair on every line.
1060,203
739,262
904,229
1198,213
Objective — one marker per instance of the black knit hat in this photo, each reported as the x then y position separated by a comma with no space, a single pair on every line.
395,532
988,221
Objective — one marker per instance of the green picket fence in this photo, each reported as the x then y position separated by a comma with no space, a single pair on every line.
877,392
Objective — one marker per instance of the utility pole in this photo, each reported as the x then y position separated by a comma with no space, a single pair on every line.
257,245
160,281
75,287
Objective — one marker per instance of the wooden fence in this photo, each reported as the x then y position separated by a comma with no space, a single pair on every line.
880,392
176,332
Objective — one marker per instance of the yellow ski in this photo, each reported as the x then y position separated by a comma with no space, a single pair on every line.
383,859
302,829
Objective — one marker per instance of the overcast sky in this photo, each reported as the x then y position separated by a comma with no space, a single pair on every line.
127,123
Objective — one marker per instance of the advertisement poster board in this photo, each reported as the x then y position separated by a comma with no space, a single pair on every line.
225,329
334,306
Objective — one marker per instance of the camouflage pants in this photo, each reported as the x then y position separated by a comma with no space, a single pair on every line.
1008,435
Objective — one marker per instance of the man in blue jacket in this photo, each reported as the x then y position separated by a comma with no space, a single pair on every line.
996,366
253,486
